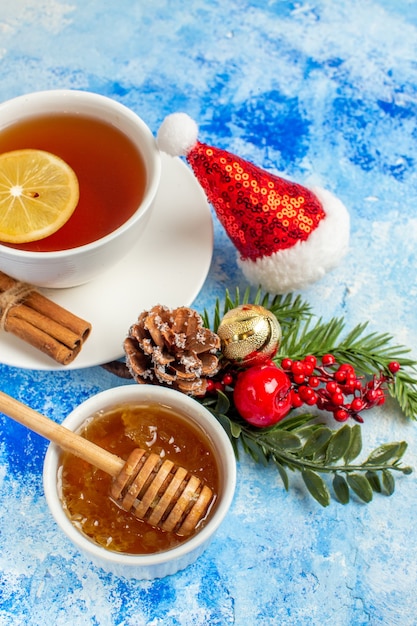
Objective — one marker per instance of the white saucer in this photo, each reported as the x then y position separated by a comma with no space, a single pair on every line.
168,266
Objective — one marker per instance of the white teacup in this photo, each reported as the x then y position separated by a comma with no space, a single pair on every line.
78,265
160,564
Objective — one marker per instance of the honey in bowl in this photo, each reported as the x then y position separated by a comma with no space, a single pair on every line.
85,489
110,171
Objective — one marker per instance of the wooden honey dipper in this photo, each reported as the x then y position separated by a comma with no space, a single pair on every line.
157,491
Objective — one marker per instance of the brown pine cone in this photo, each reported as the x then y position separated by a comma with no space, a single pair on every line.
171,347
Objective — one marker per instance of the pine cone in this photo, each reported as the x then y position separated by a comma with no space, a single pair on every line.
171,347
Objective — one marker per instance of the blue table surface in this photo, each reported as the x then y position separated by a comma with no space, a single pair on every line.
325,92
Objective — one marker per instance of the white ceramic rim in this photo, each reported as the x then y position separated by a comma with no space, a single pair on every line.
152,161
137,393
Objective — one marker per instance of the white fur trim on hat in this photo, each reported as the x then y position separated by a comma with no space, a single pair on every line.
177,134
307,261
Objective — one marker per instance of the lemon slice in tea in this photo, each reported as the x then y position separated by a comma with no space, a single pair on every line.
38,194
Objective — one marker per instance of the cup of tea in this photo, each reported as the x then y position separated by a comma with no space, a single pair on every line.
115,158
168,423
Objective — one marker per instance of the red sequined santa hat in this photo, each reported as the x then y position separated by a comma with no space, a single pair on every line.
287,236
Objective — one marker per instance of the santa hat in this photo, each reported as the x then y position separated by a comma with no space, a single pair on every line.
287,236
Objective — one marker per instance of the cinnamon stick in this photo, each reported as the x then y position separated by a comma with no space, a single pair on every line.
42,323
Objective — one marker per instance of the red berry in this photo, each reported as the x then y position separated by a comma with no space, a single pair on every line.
337,398
310,358
357,404
347,367
286,364
298,379
313,399
262,395
350,383
305,392
380,397
310,397
340,375
308,368
227,379
298,368
313,381
332,387
322,403
328,359
393,367
371,396
296,401
341,415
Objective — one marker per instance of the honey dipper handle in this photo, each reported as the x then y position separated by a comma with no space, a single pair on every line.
65,438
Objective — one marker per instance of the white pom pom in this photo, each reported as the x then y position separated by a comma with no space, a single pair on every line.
177,134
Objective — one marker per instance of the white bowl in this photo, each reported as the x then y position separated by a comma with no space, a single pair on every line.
162,563
67,268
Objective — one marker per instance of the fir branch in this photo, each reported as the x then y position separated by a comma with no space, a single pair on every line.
300,442
303,333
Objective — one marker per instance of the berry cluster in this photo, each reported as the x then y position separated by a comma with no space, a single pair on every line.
333,387
264,394
226,380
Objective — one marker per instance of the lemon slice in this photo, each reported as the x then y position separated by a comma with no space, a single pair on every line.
38,194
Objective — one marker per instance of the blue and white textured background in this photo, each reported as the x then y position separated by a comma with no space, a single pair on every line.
325,92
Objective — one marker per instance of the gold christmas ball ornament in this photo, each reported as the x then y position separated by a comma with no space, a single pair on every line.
249,334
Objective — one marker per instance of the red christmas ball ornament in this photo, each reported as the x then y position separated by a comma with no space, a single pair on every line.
262,395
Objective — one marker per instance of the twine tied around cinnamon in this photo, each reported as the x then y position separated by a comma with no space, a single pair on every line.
43,324
11,297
